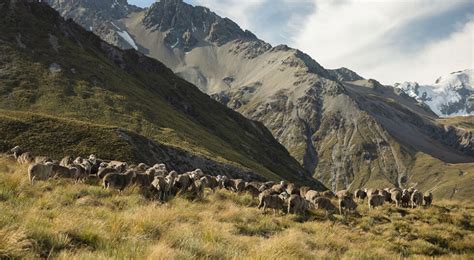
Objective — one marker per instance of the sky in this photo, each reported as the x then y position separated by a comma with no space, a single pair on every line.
388,40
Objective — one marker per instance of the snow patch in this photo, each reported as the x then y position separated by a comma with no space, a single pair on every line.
175,44
125,36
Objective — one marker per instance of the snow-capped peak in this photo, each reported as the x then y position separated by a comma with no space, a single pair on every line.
451,95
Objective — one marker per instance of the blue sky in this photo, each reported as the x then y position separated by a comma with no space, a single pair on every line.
389,40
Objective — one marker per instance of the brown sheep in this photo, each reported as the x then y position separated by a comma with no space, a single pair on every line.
117,180
428,199
40,171
416,199
298,204
252,188
375,200
346,203
59,171
325,204
274,202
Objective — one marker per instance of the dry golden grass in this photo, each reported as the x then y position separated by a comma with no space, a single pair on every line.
59,219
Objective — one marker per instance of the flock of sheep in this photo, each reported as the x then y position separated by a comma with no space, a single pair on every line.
163,184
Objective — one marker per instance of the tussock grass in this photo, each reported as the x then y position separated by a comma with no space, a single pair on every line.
63,220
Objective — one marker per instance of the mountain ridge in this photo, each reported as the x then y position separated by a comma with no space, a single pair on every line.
56,67
347,133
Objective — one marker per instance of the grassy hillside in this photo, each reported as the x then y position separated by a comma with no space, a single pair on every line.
465,122
57,68
61,220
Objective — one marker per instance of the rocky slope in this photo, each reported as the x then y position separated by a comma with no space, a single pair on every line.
55,67
451,95
347,131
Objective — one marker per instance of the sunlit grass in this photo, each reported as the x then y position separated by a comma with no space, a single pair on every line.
59,219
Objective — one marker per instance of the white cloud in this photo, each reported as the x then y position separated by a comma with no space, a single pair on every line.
362,35
236,10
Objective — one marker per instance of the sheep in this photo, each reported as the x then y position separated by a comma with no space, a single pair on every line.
66,161
346,203
279,188
387,196
182,182
239,185
59,171
311,195
162,187
396,196
104,171
303,191
265,186
197,187
416,199
142,180
405,199
25,159
371,192
292,189
360,194
343,193
252,188
225,183
375,200
328,194
39,171
117,180
120,166
80,171
212,182
325,204
274,202
428,199
17,151
298,204
142,167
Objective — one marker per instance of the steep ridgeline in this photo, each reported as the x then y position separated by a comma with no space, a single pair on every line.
347,131
451,95
55,67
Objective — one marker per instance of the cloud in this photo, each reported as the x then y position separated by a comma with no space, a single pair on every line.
390,40
275,21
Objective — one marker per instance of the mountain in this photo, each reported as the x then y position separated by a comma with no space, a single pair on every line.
451,95
56,68
348,131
